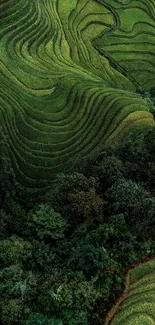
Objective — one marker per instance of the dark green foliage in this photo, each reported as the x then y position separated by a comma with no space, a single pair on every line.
40,319
65,184
14,250
4,221
109,170
16,282
137,154
85,205
76,293
64,257
7,177
124,195
122,242
142,218
75,317
131,199
45,223
17,292
104,166
11,311
43,258
12,219
92,260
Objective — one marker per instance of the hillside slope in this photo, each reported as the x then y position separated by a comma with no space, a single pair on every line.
138,306
69,75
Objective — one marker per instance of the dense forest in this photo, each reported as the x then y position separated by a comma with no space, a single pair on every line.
64,255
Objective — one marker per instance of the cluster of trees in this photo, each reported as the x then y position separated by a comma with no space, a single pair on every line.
63,256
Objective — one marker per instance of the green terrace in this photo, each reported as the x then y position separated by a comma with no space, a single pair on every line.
70,71
137,306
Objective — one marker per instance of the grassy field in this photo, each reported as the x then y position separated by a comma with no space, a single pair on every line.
69,75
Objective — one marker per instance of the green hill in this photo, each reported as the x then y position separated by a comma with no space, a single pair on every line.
69,75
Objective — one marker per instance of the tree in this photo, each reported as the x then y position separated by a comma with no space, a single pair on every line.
11,311
12,219
17,293
65,184
15,250
75,294
44,257
142,219
109,170
123,195
74,317
91,259
4,224
137,153
40,319
85,205
7,177
44,223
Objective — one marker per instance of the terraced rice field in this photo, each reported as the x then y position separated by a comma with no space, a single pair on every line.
69,74
138,305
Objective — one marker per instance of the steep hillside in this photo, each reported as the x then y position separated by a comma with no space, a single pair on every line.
69,75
